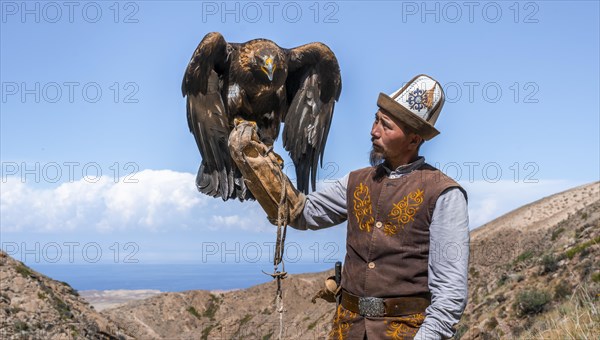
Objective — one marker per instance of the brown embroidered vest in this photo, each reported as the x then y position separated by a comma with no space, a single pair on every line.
387,246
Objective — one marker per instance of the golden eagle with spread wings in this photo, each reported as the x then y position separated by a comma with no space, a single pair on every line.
261,82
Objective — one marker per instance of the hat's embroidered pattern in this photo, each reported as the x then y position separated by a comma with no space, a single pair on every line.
403,327
341,323
417,99
362,208
403,212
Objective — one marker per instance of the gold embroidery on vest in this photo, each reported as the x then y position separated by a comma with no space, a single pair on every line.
402,327
341,323
362,208
403,212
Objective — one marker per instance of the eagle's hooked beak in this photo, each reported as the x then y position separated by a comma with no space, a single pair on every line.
269,68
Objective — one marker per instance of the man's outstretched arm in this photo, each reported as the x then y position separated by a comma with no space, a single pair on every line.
324,208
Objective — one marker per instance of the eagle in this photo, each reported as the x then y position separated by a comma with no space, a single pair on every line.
261,82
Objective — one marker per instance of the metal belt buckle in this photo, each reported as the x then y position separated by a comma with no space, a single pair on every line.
371,306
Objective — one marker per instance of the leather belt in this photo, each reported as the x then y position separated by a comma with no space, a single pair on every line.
378,307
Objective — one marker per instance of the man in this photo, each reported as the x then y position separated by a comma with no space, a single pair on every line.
405,271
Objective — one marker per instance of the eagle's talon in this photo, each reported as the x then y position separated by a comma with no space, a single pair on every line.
277,157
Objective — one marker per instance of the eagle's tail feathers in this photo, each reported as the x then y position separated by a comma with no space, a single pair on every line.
224,184
207,181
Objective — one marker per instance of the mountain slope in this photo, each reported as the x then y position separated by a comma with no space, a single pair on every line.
33,306
246,314
532,261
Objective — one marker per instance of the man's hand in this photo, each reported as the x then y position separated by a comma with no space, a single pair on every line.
329,292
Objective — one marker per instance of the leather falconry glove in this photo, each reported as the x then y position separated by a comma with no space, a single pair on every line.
261,168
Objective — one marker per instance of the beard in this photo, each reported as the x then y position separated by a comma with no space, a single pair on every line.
376,158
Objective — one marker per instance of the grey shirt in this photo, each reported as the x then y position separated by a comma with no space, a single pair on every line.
448,250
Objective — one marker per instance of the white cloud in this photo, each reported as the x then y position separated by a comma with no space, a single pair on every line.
164,200
161,200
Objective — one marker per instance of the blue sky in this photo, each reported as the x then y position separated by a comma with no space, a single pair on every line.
92,88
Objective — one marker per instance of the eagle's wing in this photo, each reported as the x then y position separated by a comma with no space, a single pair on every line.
208,119
313,85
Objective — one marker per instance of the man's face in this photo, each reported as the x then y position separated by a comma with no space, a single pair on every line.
391,143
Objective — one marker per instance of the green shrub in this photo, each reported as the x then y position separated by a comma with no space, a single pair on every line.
596,277
550,264
526,255
63,309
581,247
491,323
473,272
193,311
462,329
24,271
556,233
71,290
213,307
206,331
561,290
531,302
245,319
503,279
21,326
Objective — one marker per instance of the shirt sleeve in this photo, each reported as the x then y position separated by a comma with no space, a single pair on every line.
324,208
448,265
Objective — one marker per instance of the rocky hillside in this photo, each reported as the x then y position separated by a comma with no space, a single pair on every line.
532,262
33,306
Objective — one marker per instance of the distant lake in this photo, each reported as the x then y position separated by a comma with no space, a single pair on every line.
169,277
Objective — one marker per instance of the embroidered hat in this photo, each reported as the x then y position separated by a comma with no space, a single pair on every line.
417,104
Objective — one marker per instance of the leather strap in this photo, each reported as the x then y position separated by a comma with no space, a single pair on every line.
400,306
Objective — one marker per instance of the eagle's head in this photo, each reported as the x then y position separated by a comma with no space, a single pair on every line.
267,65
265,61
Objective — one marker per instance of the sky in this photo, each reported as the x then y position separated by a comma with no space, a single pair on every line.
98,164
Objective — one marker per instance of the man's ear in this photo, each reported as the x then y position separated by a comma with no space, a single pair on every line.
415,140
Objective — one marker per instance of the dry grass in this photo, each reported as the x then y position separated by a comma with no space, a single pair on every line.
577,318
